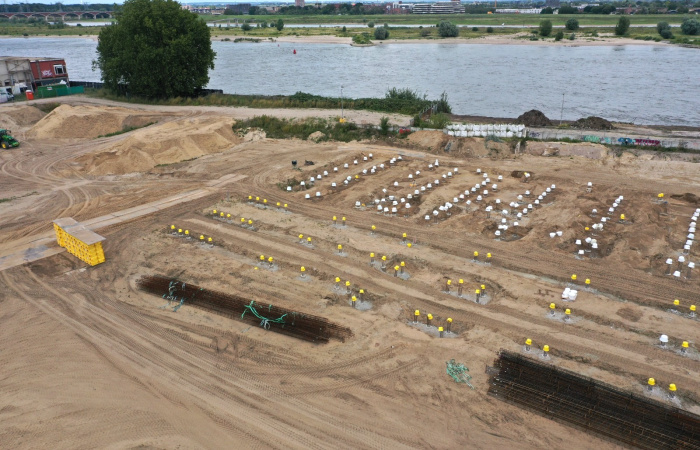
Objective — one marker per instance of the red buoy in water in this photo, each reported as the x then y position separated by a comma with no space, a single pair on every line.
295,51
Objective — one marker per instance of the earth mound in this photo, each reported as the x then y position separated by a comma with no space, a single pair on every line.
593,123
534,118
20,116
167,143
88,122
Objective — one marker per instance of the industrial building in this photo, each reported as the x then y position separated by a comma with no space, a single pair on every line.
451,7
22,73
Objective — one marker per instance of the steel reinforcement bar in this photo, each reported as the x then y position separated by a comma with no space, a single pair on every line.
591,405
292,323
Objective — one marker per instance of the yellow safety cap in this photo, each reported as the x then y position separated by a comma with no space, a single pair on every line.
340,247
476,253
396,267
222,214
483,287
179,230
335,218
528,341
651,381
672,387
308,239
373,227
343,219
676,302
354,298
449,282
262,257
488,255
567,311
337,279
187,231
209,240
417,313
371,255
303,269
404,235
588,281
545,348
201,236
439,328
661,195
449,320
573,277
301,236
172,227
692,307
461,281
552,306
362,291
408,245
430,317
403,264
383,257
347,283
684,344
269,259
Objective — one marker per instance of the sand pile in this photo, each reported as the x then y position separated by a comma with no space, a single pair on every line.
16,118
168,143
88,122
428,139
534,118
593,123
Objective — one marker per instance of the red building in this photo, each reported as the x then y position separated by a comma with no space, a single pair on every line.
48,71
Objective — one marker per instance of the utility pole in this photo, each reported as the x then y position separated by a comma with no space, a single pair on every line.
561,117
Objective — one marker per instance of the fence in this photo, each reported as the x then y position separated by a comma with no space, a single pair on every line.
57,91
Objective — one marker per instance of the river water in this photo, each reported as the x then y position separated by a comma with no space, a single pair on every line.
636,83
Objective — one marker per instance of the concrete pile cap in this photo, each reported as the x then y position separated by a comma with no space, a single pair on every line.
78,231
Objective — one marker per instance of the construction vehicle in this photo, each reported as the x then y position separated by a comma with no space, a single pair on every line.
6,140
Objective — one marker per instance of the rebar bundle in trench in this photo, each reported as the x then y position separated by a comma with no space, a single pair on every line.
281,320
592,405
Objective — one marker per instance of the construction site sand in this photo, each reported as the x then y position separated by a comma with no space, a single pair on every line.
18,118
91,362
166,143
88,122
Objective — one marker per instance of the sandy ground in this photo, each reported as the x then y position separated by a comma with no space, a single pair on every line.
91,362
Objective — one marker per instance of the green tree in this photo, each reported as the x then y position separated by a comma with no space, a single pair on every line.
155,49
567,9
547,10
448,29
370,25
662,26
571,24
246,26
489,29
623,24
559,36
279,25
545,28
381,33
691,27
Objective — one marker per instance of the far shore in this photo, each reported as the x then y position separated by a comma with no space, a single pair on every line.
514,39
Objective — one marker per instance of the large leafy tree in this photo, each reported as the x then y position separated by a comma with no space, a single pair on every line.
156,49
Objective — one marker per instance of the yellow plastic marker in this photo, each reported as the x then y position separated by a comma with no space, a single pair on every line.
449,282
172,227
308,239
672,387
303,269
242,219
210,240
250,222
214,212
222,214
676,302
403,264
651,382
357,177
685,344
528,341
573,277
201,237
179,230
587,229
661,195
588,281
622,217
187,232
476,254
340,247
262,257
409,245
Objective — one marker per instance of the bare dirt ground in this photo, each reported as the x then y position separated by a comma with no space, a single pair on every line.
89,361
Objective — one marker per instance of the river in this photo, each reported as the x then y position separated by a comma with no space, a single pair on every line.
635,83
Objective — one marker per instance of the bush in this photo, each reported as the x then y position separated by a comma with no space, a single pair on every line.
362,39
345,29
690,27
567,9
662,26
384,125
475,28
572,37
245,27
594,33
545,28
623,25
489,29
425,32
279,25
547,10
666,33
571,24
381,33
448,29
559,36
371,24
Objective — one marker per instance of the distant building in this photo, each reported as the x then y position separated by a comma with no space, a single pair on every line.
553,3
299,3
399,8
239,8
23,72
451,7
519,11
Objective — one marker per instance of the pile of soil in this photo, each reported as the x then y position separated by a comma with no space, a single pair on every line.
168,143
18,117
88,122
534,118
592,123
687,197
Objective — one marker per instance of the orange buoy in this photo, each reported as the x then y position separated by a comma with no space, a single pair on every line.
295,51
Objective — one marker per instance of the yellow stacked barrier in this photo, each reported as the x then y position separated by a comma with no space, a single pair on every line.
79,241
